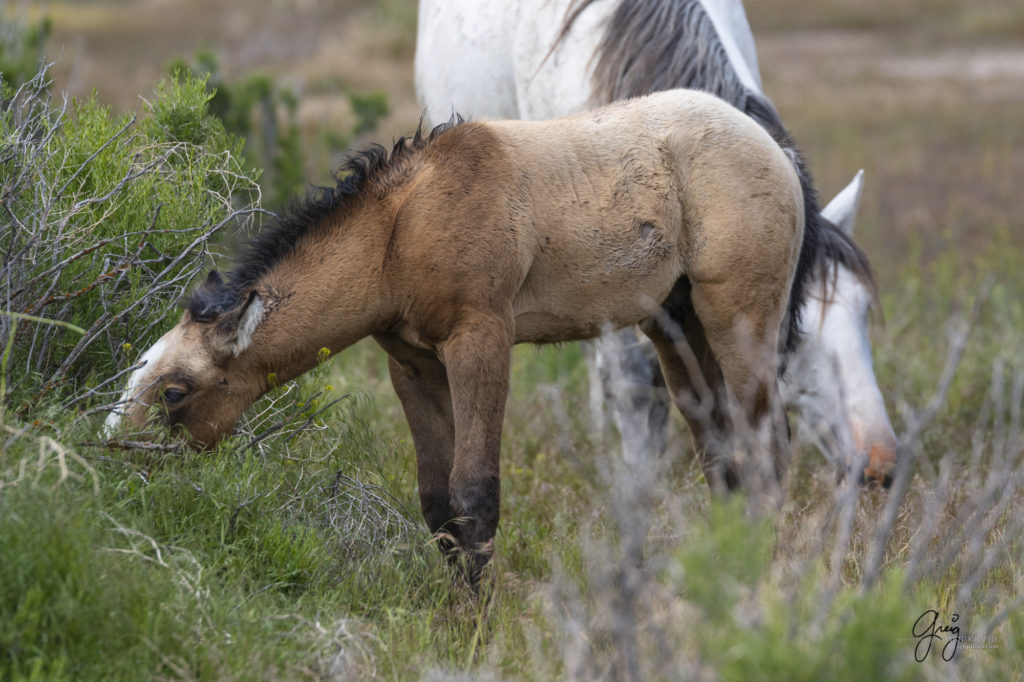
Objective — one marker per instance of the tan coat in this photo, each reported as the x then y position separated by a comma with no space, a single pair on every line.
673,211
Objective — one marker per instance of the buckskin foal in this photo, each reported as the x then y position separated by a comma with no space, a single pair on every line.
674,211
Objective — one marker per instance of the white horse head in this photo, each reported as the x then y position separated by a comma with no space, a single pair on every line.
831,379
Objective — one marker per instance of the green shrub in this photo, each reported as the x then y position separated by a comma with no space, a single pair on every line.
752,627
265,114
106,220
242,563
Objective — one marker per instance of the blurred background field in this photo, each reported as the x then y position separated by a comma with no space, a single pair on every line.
305,556
925,94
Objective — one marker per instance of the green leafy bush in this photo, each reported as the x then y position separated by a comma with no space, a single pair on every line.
750,626
106,221
232,564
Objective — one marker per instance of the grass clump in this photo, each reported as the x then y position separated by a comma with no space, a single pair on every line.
203,566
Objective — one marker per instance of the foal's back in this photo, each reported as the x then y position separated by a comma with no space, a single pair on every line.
611,207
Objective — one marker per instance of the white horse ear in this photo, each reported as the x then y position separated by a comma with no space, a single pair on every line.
235,331
842,210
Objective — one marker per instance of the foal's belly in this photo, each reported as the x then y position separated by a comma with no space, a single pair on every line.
545,327
554,324
583,297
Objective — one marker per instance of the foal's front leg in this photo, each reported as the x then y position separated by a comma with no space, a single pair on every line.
421,382
477,356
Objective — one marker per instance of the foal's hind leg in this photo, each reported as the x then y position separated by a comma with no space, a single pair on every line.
741,320
723,378
695,383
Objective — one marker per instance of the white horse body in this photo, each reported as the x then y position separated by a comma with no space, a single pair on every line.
470,61
496,60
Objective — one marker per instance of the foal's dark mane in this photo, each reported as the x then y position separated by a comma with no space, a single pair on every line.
358,173
653,45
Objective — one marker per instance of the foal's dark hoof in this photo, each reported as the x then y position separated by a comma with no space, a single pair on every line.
468,567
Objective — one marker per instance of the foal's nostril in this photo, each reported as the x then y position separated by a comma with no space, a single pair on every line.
887,481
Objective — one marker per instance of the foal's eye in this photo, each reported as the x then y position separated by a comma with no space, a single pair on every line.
173,395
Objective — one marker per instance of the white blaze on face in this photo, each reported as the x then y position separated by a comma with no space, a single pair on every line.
135,379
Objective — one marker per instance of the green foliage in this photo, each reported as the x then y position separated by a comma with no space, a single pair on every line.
259,112
181,113
753,628
21,47
228,564
732,556
107,220
265,114
369,109
70,608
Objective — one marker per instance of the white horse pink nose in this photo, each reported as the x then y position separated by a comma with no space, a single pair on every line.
881,457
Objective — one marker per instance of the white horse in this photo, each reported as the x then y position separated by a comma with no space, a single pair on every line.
540,59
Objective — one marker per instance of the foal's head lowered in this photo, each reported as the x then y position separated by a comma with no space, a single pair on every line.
199,375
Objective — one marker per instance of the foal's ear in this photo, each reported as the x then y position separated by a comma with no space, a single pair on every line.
213,281
234,330
209,301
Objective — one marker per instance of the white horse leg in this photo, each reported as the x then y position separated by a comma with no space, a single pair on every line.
625,370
